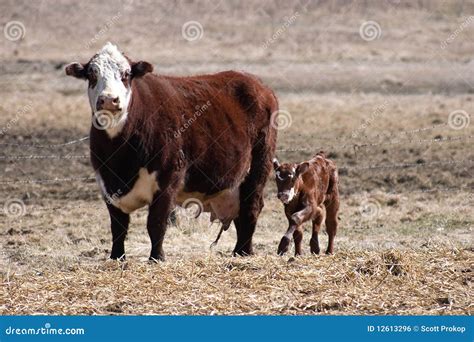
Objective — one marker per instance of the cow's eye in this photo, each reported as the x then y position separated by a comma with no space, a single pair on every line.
125,76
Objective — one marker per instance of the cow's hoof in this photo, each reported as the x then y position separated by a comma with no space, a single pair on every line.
156,260
242,253
118,257
283,246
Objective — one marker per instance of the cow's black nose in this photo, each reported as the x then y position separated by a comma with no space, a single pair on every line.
108,103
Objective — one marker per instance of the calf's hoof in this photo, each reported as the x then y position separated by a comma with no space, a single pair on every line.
314,247
283,246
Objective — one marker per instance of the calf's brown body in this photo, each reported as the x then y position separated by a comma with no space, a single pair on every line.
305,189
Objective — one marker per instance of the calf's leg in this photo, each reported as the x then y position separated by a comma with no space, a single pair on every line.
298,238
314,242
295,221
331,224
285,240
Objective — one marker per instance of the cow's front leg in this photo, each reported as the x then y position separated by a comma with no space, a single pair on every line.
119,222
158,214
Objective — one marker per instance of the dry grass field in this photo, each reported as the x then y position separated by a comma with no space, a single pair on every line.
394,110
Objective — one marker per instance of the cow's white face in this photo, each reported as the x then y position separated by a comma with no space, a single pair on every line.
109,87
110,74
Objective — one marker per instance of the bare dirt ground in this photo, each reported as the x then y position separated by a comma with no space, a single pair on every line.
395,113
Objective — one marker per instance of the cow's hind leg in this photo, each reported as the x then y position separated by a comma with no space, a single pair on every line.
119,222
251,193
251,204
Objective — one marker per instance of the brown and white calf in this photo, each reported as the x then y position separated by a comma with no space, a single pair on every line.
160,141
304,189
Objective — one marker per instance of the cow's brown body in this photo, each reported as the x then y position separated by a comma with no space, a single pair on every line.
199,136
315,185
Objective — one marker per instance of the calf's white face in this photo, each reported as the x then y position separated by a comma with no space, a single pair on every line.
110,74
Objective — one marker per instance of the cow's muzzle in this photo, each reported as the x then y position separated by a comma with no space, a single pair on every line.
109,103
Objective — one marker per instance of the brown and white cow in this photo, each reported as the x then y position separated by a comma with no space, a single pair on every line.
304,189
161,140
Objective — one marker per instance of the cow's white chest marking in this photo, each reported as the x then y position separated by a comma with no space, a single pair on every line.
141,194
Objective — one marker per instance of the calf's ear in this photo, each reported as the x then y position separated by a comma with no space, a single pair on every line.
76,70
276,163
141,68
301,168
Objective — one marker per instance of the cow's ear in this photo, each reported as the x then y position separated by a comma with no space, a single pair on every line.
76,70
276,163
141,68
301,168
